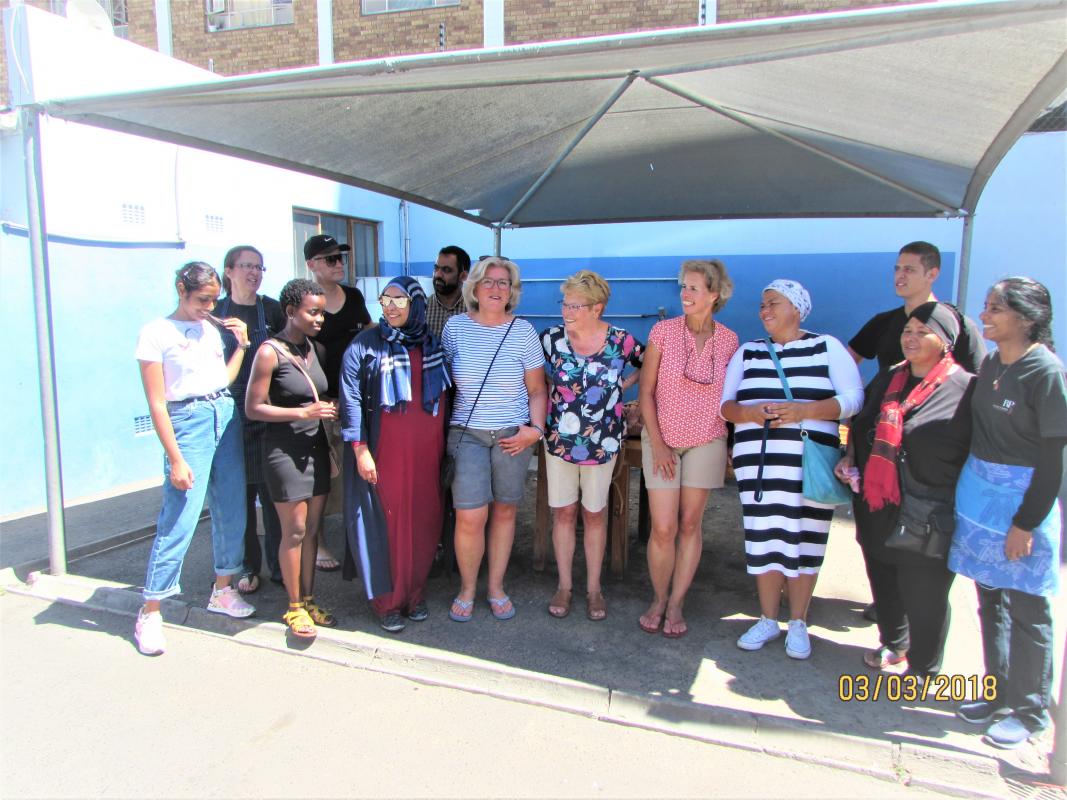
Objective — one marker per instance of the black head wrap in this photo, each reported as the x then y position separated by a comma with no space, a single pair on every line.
941,319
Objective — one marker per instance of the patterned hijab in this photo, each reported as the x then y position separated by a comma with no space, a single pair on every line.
396,366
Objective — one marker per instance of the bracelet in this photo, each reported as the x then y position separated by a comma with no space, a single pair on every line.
245,346
539,429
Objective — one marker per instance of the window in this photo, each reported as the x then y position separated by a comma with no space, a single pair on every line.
360,234
225,15
383,6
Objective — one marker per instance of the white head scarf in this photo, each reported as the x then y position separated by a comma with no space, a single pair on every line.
794,292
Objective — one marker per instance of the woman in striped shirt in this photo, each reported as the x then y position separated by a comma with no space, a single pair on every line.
499,414
785,533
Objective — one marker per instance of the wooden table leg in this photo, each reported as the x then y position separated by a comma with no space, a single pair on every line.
541,522
619,518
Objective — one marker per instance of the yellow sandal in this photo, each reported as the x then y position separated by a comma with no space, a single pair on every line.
299,621
319,614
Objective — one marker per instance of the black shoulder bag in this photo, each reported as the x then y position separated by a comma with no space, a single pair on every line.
926,522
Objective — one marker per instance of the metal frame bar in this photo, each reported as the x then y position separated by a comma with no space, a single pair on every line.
743,119
569,148
29,119
964,277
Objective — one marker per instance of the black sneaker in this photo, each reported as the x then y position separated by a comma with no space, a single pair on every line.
419,613
394,623
980,712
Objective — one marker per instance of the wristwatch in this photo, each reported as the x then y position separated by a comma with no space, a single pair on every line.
539,429
245,346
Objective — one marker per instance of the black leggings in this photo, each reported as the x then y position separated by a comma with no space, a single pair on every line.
913,610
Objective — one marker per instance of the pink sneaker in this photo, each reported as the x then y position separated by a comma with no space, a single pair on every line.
228,601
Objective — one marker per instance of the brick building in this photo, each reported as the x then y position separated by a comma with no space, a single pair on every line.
234,37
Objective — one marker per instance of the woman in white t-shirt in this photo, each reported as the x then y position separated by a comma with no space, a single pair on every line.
185,378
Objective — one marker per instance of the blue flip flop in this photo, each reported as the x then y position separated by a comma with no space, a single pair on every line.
465,605
500,602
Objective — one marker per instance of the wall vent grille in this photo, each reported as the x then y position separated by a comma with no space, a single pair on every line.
142,425
133,213
214,223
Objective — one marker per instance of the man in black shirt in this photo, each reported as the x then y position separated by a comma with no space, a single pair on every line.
918,265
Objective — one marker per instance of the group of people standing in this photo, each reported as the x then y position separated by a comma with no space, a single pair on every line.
445,400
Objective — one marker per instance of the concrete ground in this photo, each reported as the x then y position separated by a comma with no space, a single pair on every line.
701,686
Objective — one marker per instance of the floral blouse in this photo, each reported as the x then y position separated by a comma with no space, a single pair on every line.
586,423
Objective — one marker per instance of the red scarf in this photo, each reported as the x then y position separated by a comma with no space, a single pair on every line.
881,483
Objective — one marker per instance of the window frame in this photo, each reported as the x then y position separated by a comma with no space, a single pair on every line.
351,224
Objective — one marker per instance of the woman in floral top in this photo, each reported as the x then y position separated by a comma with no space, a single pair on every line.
586,428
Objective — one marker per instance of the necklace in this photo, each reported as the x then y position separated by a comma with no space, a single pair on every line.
1005,367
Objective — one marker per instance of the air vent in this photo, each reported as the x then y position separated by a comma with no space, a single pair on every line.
142,425
133,213
214,223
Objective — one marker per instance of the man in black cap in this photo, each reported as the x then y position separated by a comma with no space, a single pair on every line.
346,314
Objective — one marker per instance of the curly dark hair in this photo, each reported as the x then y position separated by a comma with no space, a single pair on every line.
195,275
294,292
1032,302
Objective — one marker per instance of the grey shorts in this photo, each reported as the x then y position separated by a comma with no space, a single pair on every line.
484,472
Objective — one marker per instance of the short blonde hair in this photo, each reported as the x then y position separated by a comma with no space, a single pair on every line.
589,285
477,273
715,278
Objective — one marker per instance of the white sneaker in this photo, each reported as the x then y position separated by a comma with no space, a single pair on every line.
766,630
148,631
228,601
797,644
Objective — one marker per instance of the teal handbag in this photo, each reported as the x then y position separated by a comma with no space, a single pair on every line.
817,460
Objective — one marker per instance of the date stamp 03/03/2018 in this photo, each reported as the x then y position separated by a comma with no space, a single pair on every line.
911,688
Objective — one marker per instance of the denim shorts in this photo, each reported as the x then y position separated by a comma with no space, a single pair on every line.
484,472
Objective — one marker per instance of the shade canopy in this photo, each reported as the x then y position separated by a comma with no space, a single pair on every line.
902,111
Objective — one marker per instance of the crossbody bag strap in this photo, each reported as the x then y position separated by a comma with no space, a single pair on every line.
758,493
287,355
486,378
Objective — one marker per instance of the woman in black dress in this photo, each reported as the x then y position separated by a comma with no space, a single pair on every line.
917,417
284,391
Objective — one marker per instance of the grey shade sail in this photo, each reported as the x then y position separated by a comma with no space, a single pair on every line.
903,111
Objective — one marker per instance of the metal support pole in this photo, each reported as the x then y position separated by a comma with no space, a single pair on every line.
29,119
1057,760
963,278
496,240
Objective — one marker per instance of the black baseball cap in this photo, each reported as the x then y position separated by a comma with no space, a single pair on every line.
323,243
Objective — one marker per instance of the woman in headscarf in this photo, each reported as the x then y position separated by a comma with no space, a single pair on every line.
917,417
393,417
785,533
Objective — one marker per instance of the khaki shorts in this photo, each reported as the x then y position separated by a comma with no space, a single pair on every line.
700,467
565,478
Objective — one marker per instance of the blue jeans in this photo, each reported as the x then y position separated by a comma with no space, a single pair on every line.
1017,640
209,437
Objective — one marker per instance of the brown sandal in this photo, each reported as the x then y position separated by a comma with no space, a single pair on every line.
560,604
321,616
595,607
299,621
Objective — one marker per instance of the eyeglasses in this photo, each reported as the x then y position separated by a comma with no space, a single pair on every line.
335,258
497,283
574,306
399,302
502,258
251,267
689,376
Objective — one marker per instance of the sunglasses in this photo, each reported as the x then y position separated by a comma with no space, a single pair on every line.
698,379
336,258
399,302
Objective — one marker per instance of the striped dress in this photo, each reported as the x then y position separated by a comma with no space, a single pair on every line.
785,532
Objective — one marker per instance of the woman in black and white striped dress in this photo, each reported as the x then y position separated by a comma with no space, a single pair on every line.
785,534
